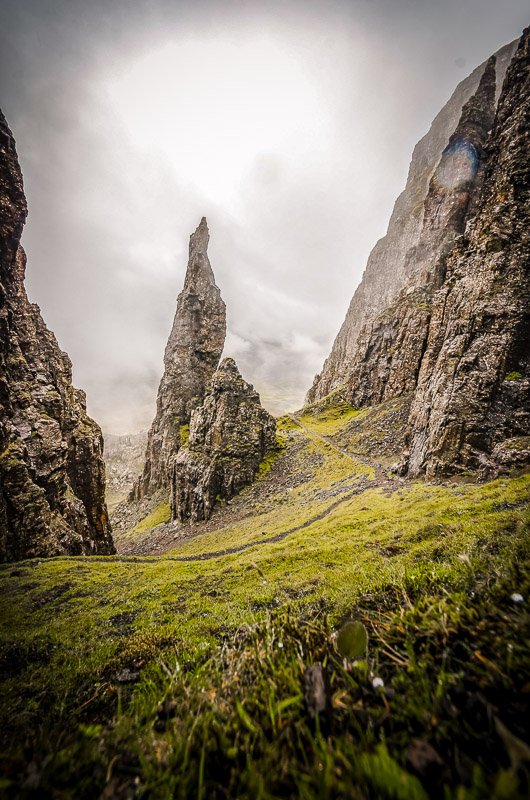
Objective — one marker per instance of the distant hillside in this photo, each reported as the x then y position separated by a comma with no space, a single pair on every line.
124,460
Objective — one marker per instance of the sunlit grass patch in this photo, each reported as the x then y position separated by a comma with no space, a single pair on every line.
158,516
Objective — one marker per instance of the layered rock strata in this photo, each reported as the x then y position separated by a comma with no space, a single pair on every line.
52,477
388,267
229,436
191,357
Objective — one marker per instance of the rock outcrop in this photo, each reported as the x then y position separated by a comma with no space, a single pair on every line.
229,436
52,477
388,268
124,460
472,403
192,354
389,349
210,432
456,338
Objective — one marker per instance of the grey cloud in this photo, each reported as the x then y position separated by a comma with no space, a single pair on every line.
109,221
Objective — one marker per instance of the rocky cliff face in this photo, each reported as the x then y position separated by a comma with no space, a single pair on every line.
456,337
52,479
192,354
229,436
472,404
388,267
389,349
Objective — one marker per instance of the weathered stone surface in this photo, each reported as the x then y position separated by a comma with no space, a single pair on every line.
457,337
388,268
389,349
474,384
52,480
192,354
229,436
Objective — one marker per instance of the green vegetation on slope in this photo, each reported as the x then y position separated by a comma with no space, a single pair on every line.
161,514
162,677
329,414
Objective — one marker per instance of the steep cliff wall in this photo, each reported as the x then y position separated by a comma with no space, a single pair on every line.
389,349
52,478
192,354
472,404
456,338
387,270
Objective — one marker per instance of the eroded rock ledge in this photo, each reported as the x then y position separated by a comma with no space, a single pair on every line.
230,434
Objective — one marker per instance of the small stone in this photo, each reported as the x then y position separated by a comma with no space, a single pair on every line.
517,598
352,640
423,757
127,676
315,690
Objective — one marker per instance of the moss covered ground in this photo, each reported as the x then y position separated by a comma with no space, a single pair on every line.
188,675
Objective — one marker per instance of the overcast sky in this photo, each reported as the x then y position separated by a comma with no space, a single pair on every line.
288,124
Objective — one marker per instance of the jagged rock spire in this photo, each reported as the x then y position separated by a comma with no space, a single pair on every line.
192,354
199,272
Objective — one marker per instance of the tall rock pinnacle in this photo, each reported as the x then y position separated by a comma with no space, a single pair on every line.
52,477
191,357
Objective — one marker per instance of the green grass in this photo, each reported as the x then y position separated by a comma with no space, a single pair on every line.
161,514
168,678
184,433
329,414
270,458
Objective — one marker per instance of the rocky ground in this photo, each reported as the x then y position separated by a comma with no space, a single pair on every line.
292,466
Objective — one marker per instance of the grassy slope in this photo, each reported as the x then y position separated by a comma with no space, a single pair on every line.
159,676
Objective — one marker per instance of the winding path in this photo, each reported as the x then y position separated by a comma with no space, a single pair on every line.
381,479
381,476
